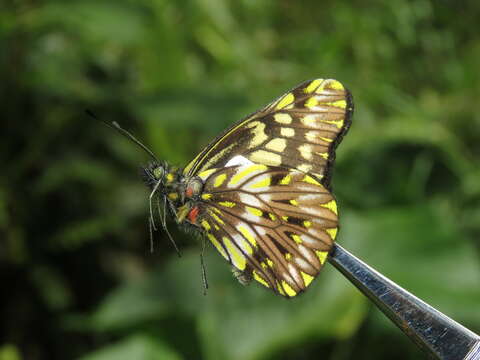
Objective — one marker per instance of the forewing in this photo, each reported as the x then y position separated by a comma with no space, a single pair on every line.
274,225
299,130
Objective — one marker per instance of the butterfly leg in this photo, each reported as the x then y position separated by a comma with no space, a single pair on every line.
202,265
163,221
157,185
150,229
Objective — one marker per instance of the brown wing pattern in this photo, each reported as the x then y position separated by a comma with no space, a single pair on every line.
299,130
272,224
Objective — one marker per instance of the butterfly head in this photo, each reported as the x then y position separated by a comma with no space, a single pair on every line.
153,173
168,181
181,193
162,176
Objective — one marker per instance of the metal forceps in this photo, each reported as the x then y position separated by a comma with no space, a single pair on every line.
435,333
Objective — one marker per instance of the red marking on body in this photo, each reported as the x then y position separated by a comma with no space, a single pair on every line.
192,214
189,192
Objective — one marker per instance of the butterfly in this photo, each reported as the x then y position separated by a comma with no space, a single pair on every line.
260,192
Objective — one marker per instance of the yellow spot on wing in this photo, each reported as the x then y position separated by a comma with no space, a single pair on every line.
308,120
307,279
307,224
205,174
254,211
217,245
286,100
322,256
287,132
218,211
243,244
248,235
305,151
288,289
337,123
217,219
170,177
260,279
332,232
262,183
286,180
310,180
320,89
277,144
283,118
297,238
213,158
219,180
331,205
273,217
294,202
340,104
206,196
205,225
312,102
288,256
305,167
336,85
237,177
265,157
238,259
258,132
228,204
313,85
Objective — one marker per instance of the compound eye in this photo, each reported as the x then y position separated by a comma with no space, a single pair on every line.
194,187
158,172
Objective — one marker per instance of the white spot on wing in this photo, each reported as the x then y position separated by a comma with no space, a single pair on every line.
304,265
308,197
295,273
250,217
311,210
260,230
242,243
309,240
266,197
249,200
238,160
306,253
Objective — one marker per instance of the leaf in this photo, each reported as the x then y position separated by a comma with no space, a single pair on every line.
137,346
127,306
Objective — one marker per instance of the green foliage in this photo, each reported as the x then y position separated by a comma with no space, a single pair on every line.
74,254
135,347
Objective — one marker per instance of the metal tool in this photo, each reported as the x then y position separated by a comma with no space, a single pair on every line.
434,332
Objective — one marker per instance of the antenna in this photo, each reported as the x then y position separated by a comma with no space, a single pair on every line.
115,126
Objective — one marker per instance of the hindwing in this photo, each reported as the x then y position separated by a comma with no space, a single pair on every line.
272,224
299,130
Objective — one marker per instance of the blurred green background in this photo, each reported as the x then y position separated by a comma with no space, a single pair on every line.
78,280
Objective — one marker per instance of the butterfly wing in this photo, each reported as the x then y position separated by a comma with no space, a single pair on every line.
272,224
299,130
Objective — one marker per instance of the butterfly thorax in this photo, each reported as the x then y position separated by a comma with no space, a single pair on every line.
180,193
